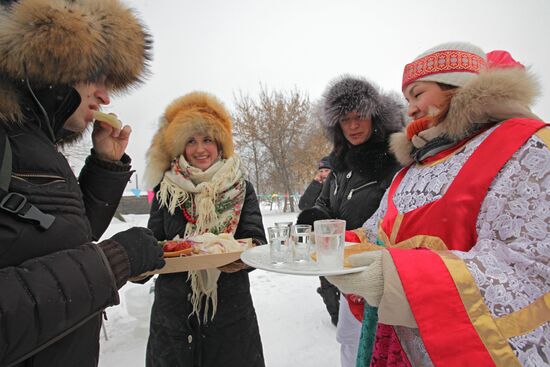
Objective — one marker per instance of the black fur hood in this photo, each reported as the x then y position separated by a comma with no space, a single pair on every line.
386,110
346,94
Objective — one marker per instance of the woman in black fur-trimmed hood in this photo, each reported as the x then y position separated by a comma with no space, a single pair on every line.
358,118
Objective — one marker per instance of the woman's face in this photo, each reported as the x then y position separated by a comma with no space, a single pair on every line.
201,151
356,130
424,98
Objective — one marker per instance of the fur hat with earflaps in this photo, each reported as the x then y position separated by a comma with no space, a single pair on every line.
355,94
347,94
194,113
64,42
490,88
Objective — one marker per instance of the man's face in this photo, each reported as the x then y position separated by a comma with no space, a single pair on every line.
93,96
323,173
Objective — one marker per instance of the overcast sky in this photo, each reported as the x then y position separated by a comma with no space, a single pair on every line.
224,46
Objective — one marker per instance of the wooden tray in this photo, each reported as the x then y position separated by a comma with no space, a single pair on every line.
199,261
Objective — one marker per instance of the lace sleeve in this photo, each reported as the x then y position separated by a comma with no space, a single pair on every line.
371,225
511,260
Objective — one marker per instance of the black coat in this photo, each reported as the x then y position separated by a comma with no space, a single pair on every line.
55,283
232,338
355,186
309,197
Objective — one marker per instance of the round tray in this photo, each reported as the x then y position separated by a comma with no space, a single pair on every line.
258,257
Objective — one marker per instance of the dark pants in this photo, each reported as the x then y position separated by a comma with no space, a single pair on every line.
331,298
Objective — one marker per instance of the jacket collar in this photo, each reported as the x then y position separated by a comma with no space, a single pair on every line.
50,108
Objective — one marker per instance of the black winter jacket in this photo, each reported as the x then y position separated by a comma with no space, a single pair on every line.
55,283
355,186
309,197
232,338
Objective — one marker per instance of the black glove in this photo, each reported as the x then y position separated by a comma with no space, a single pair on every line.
310,215
142,249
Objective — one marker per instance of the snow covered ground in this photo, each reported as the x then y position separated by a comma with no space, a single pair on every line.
294,324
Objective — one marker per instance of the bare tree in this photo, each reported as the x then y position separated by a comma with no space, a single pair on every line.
257,161
315,146
252,152
77,152
275,131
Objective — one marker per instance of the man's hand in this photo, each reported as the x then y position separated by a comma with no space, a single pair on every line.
110,143
318,177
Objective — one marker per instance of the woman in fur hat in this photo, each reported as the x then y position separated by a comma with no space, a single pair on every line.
60,60
473,204
202,318
359,119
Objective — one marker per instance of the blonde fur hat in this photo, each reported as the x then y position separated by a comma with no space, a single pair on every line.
194,113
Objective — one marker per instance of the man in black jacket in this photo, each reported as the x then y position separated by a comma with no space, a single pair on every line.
60,60
314,189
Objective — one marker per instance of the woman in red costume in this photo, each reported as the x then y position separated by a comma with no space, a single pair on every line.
463,278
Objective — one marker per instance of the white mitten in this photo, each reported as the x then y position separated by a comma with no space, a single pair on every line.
369,283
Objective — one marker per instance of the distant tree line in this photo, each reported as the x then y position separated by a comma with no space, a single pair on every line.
279,137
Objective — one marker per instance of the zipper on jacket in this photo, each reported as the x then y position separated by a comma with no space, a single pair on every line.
359,188
40,175
335,183
29,177
336,180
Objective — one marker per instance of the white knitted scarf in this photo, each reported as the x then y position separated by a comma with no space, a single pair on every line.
213,199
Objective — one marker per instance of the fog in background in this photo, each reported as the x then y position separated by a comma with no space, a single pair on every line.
228,47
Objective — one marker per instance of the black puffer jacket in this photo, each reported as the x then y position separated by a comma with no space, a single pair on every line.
309,197
354,189
360,173
55,283
232,338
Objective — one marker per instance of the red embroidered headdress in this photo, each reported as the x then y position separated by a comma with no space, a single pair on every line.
450,63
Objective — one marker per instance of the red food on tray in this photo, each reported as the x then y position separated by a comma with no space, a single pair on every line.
176,248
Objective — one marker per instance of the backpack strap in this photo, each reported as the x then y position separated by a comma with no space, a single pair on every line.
5,161
13,202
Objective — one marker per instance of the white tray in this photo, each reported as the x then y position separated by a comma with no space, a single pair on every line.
258,257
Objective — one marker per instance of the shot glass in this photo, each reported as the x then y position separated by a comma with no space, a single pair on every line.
283,224
279,249
300,242
329,243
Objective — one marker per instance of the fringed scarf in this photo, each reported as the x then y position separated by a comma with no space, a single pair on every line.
211,201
